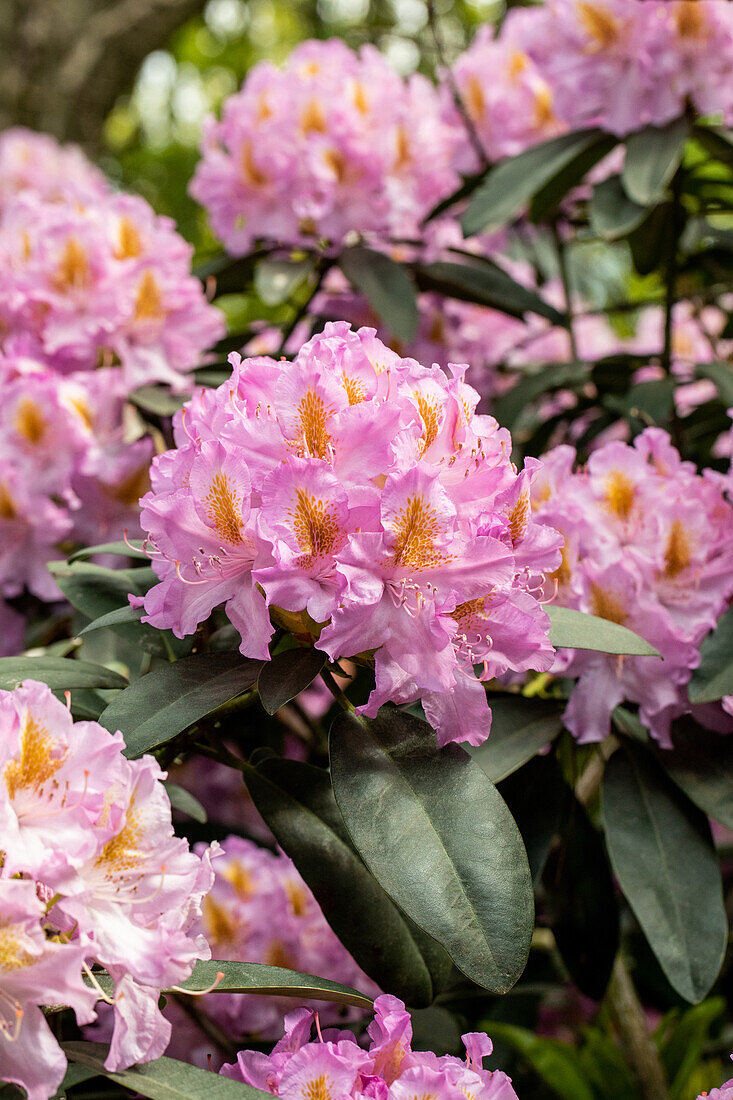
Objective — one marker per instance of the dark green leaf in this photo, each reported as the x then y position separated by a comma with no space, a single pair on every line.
172,697
576,630
60,673
604,1066
386,285
287,674
536,796
421,815
716,141
663,857
722,375
469,185
273,981
277,280
701,764
95,591
649,242
133,549
486,284
558,1064
164,1079
183,801
509,187
713,678
653,399
519,729
158,400
125,614
508,408
652,157
582,903
548,198
612,213
296,801
75,1075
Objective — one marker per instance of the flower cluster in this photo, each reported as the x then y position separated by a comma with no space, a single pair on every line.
102,282
389,1069
67,473
36,162
358,499
618,64
647,545
90,873
333,142
260,910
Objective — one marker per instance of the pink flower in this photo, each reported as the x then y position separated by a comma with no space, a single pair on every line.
36,162
358,499
35,970
647,545
388,1070
333,142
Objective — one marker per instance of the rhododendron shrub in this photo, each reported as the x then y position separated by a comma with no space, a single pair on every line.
361,492
90,874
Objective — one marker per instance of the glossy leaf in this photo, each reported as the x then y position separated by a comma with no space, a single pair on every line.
158,400
545,202
582,902
652,158
296,801
556,1063
118,617
536,795
169,699
486,284
571,629
131,549
386,285
713,678
75,1075
701,764
520,728
60,673
649,242
287,674
611,212
163,1079
663,857
272,981
277,280
421,815
183,801
509,186
96,591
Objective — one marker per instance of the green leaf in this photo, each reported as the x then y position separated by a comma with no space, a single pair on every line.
509,187
649,242
612,213
164,1079
701,764
548,198
684,1046
663,857
653,156
60,673
486,284
713,678
115,618
508,408
386,285
571,629
75,1075
536,796
520,728
582,902
721,374
296,801
653,399
95,591
133,549
276,281
169,699
273,981
421,815
158,400
604,1066
183,801
287,674
717,141
556,1063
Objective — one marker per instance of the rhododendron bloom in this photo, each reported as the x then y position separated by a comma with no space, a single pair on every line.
333,142
90,833
647,545
388,1070
361,493
37,162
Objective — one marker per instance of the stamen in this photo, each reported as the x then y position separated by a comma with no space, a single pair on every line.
97,987
199,992
184,579
318,1027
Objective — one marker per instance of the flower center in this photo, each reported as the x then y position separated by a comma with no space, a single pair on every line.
30,422
607,605
620,493
222,509
417,527
39,760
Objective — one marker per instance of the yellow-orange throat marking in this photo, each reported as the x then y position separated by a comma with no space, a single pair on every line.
222,509
417,527
37,762
315,526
